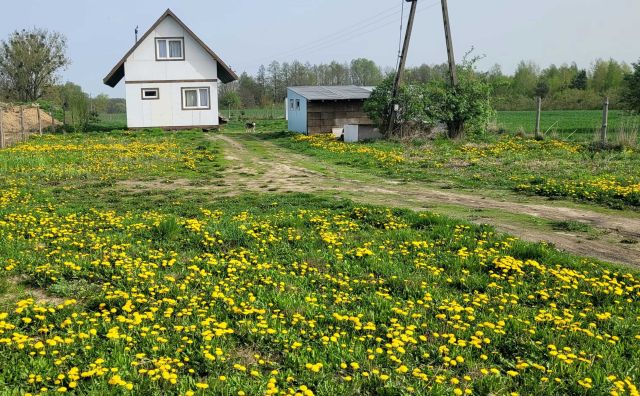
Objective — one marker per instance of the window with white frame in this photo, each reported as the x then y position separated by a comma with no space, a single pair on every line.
297,104
170,48
290,104
150,93
196,98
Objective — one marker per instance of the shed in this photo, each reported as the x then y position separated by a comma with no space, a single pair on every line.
319,109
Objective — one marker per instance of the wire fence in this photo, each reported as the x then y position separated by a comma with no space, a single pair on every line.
18,122
259,113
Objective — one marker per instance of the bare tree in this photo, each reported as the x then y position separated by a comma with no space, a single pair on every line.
30,61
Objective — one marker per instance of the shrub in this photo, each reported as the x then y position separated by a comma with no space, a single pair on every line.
631,89
466,107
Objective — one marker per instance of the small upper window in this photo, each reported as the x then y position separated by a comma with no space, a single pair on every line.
170,48
150,93
291,104
196,99
297,104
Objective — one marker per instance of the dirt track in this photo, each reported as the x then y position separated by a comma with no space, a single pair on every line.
264,167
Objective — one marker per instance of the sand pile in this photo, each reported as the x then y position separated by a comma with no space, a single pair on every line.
11,119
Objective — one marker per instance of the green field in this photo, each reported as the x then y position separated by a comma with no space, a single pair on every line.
574,124
554,168
108,288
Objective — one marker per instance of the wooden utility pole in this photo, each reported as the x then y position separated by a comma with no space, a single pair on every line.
403,61
605,121
447,34
538,117
456,126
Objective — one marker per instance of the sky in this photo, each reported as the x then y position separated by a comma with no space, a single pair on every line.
247,33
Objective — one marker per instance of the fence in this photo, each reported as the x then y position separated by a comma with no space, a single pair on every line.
17,123
275,112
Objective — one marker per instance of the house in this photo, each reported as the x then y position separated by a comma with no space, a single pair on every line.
171,78
313,110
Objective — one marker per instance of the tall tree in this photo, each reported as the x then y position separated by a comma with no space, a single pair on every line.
525,79
365,72
30,61
261,79
631,89
249,91
580,81
101,103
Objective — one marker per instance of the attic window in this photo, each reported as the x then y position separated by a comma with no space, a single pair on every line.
170,48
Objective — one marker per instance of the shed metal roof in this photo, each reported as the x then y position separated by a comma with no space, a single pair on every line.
346,92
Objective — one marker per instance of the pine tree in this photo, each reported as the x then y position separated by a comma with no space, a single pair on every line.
580,81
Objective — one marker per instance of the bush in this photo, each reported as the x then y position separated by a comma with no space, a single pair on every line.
411,100
468,107
631,89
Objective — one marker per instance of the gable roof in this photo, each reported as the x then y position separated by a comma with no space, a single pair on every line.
225,74
343,92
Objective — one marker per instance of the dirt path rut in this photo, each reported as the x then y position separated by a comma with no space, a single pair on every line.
261,166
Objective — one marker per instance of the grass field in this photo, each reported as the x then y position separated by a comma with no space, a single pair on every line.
109,291
551,168
576,124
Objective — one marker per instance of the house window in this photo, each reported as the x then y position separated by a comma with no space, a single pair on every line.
297,104
196,99
170,48
150,93
290,104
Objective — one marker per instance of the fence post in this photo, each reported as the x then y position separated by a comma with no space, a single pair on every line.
538,116
22,123
605,121
39,120
1,130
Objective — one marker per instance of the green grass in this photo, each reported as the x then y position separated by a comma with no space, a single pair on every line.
577,125
109,122
110,290
553,168
254,114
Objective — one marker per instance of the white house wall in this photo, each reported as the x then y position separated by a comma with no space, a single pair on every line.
142,70
167,110
142,64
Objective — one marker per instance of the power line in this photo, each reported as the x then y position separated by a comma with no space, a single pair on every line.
355,31
341,40
385,14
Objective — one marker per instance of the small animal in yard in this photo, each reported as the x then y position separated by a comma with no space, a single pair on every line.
250,127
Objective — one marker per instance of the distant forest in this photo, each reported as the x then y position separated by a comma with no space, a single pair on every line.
565,87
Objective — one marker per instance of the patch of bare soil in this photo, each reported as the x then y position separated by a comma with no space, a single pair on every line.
281,171
39,295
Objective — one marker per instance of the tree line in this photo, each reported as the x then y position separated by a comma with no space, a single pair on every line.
30,61
269,85
564,87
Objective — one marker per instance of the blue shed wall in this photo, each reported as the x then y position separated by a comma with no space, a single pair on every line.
297,117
